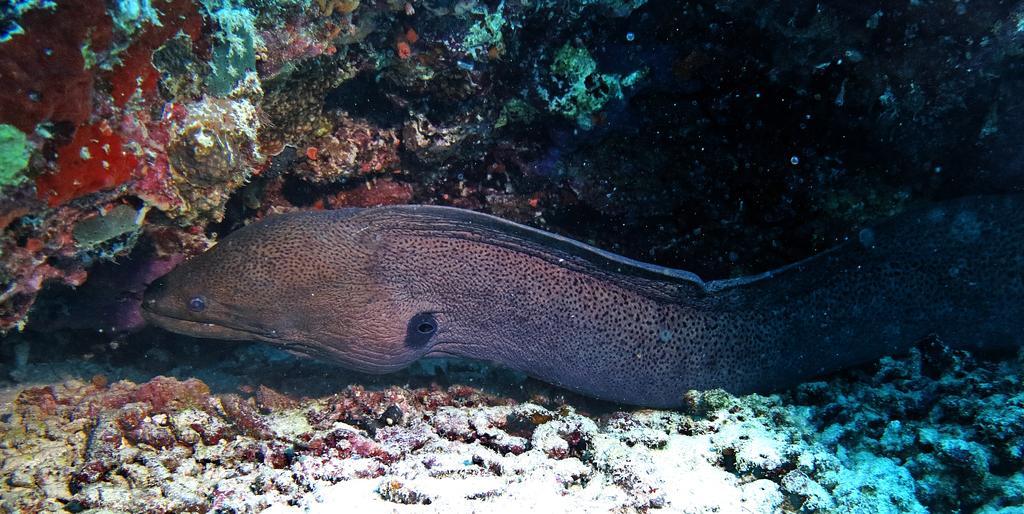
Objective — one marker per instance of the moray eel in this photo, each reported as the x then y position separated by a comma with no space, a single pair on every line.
375,289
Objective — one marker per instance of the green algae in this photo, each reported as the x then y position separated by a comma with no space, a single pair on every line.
515,111
15,150
573,63
617,7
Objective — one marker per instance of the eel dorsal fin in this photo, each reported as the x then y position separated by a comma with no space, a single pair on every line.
448,222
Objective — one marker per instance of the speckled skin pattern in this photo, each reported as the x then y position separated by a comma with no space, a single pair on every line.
376,289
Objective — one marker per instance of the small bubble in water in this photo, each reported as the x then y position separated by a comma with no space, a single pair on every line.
794,160
630,36
461,176
866,237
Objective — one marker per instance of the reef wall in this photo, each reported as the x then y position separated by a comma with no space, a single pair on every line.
731,137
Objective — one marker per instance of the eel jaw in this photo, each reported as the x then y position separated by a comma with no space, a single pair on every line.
194,328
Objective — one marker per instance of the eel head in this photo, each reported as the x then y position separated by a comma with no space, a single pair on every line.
304,282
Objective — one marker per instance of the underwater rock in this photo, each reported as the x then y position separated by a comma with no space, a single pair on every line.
294,99
435,144
930,420
109,234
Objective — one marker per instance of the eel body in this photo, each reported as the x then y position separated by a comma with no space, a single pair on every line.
375,289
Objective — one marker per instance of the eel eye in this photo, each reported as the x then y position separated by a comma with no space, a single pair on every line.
197,304
420,330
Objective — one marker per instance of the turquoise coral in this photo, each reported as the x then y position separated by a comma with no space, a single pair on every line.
583,90
486,34
234,49
131,15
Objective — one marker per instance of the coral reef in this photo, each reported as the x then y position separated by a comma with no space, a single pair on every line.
688,119
355,148
954,424
48,75
858,443
94,160
583,91
728,137
211,153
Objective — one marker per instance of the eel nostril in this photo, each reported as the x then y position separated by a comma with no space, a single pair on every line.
157,286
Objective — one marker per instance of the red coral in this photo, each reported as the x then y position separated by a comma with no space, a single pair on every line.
357,147
277,455
90,473
42,398
403,50
43,68
136,71
269,400
131,416
296,39
344,443
245,417
94,160
168,393
379,192
212,430
152,434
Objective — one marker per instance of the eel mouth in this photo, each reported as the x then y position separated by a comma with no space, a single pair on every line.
195,328
215,331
